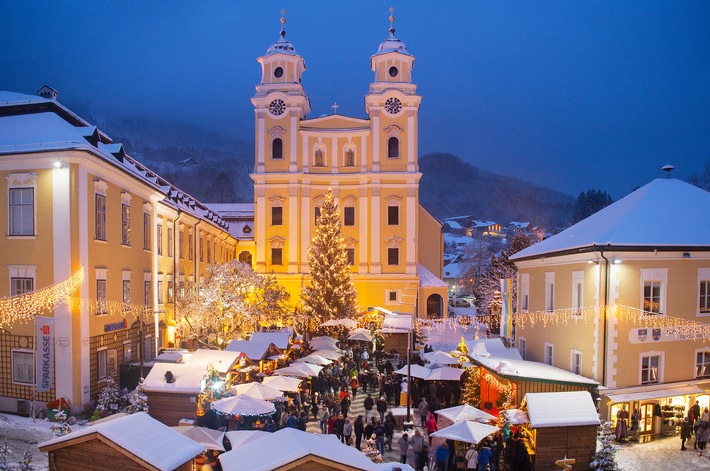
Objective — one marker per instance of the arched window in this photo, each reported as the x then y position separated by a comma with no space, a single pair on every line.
277,148
245,257
393,148
319,159
349,158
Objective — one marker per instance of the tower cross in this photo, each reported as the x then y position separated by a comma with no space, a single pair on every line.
335,107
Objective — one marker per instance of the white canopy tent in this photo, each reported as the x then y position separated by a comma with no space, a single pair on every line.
257,391
315,359
465,412
243,405
467,431
210,439
283,383
299,369
441,358
329,354
445,373
417,371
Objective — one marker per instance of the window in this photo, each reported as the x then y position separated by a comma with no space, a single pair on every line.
181,292
101,307
159,236
652,296
392,296
102,364
276,256
22,212
522,347
276,216
148,348
21,286
209,251
524,292
393,256
577,293
160,291
349,158
171,243
127,352
190,245
349,215
702,364
549,291
100,217
650,369
126,295
147,293
202,249
277,147
393,148
704,291
245,257
549,353
111,363
171,293
350,252
125,224
146,231
23,371
181,244
319,160
392,215
316,214
575,362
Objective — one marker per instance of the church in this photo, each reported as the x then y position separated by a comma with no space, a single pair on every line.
395,247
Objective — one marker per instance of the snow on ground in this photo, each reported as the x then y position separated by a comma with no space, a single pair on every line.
660,455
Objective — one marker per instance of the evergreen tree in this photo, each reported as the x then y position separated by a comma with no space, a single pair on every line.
604,459
331,293
500,268
471,387
137,399
109,398
590,202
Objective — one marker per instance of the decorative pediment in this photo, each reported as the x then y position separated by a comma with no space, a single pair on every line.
393,242
277,131
277,242
100,187
21,179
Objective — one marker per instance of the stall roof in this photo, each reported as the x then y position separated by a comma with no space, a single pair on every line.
138,435
255,350
532,371
655,394
187,378
561,409
280,339
491,348
222,360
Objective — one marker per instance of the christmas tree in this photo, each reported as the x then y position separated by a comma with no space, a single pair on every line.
472,387
331,293
604,459
109,398
137,399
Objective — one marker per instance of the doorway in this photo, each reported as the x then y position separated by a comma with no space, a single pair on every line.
646,423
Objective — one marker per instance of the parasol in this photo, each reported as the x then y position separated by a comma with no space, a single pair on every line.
467,431
257,391
445,373
465,412
418,371
243,405
283,383
210,439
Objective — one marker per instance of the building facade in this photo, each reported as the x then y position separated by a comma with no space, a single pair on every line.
72,200
371,166
623,297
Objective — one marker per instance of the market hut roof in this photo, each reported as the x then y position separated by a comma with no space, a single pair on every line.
561,409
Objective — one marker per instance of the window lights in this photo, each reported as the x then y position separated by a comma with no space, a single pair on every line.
171,242
125,224
702,364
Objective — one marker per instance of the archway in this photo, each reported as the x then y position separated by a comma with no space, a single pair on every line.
435,306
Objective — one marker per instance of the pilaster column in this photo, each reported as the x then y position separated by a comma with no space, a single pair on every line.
293,140
364,228
293,227
410,240
411,133
260,144
260,231
306,212
375,140
375,237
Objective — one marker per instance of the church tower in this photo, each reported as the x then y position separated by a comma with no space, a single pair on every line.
371,166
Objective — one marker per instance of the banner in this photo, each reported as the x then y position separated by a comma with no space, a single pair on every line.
506,318
45,353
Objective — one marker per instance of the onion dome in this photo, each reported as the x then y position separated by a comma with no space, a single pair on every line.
282,45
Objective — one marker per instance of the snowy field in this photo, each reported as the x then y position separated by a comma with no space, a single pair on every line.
659,455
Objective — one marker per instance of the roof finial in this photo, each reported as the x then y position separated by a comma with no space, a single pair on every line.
335,107
392,21
283,23
668,169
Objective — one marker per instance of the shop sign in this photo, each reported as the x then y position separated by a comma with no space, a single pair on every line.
115,326
45,353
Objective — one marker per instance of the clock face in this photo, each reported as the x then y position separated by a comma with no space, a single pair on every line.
393,105
277,107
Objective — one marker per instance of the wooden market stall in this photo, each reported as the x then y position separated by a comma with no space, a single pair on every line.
262,353
562,425
133,442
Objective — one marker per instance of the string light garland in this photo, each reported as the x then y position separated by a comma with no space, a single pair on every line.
24,307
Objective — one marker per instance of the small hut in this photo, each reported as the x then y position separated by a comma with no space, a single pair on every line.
562,425
129,443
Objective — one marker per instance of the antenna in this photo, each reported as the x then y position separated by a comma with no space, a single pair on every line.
668,169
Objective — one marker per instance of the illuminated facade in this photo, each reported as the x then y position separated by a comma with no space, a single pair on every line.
370,164
71,198
646,261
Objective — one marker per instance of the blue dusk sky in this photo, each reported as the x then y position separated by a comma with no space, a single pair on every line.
567,94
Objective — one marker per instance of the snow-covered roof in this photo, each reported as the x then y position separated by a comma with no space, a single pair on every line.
455,270
253,349
491,348
561,409
531,370
223,360
519,225
453,224
233,209
142,436
187,378
662,213
392,44
7,97
428,279
292,445
280,339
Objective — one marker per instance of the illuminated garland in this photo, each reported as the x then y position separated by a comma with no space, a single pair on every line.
508,390
24,307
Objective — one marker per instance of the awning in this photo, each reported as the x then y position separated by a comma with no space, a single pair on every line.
655,394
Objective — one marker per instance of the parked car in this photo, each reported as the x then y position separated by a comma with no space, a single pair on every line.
459,302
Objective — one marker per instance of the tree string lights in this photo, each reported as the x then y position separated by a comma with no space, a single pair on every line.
24,307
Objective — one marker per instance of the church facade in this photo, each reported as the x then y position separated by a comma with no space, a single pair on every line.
394,245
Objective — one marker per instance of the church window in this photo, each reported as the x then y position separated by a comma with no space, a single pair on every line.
277,148
349,215
276,216
392,215
393,148
276,256
393,71
393,256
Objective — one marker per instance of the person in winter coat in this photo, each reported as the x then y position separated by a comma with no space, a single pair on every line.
703,435
302,421
269,426
684,432
368,404
359,428
382,408
347,432
331,424
379,432
418,442
345,406
292,421
324,420
431,427
338,426
441,455
354,384
390,425
369,429
403,446
484,456
471,458
423,411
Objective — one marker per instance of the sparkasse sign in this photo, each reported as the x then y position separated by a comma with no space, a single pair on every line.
45,353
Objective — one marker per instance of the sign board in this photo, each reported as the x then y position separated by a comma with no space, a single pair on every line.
45,353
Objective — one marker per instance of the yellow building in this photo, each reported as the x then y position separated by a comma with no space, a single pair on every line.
644,260
394,245
71,199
